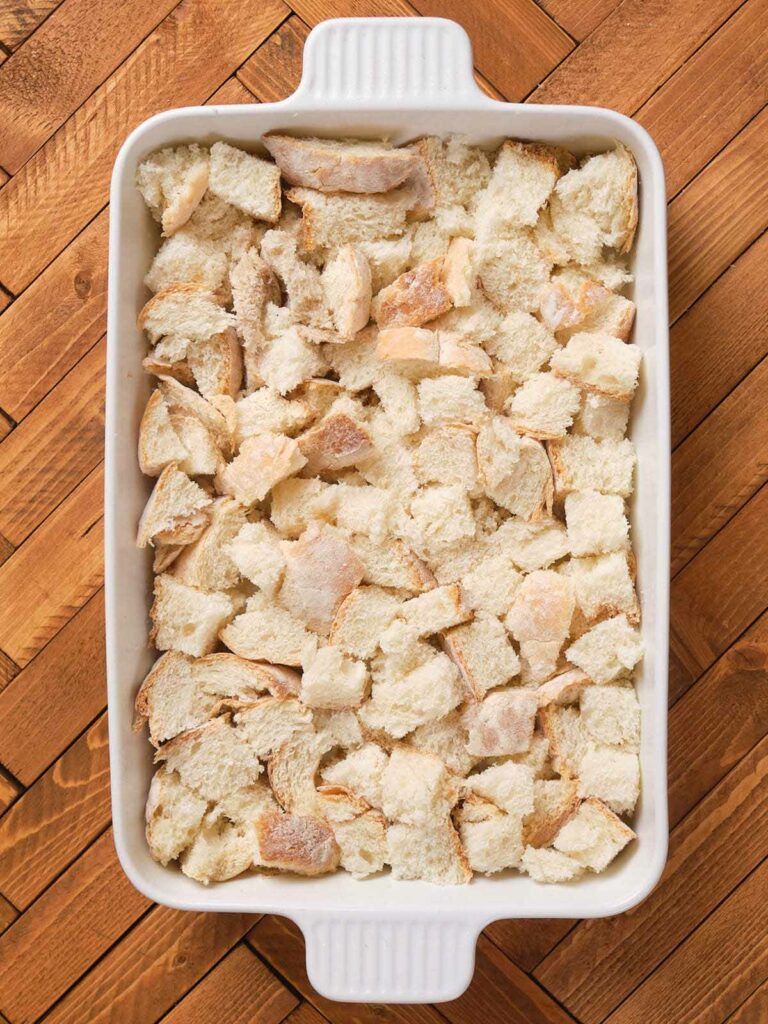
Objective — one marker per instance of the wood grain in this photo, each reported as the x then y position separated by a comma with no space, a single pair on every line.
232,91
719,340
20,18
9,790
152,968
526,942
65,810
717,216
54,573
56,696
719,466
274,70
305,1014
64,184
514,42
579,17
711,852
727,73
55,322
8,914
54,448
73,923
8,668
754,1010
71,54
239,990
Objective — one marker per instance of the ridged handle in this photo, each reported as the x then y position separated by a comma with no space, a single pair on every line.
366,959
397,62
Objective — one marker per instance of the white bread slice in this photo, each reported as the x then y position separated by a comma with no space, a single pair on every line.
254,285
514,470
602,418
413,351
267,632
416,788
363,843
438,609
593,836
458,356
490,588
508,785
564,729
361,772
333,681
267,724
363,616
255,551
187,619
604,586
217,364
321,569
347,283
612,776
301,844
565,688
554,802
355,363
293,504
599,363
246,181
459,275
301,280
415,297
446,455
441,518
399,400
183,400
492,845
544,406
212,760
175,502
450,398
456,171
583,464
532,545
387,259
522,344
183,313
263,461
446,738
483,655
502,723
330,220
206,564
433,854
611,716
340,165
335,443
596,523
513,272
159,444
228,679
173,815
222,849
549,867
289,361
264,411
524,175
172,182
609,650
541,615
401,703
391,563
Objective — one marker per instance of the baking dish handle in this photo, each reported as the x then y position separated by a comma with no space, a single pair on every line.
396,62
371,958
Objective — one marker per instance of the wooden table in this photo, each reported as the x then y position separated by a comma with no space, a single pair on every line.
78,942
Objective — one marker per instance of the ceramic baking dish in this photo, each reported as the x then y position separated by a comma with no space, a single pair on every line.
380,940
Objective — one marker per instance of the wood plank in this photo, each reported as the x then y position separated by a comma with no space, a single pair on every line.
9,790
55,321
54,573
728,74
233,91
5,298
8,668
525,942
8,914
20,18
278,941
305,1014
579,17
6,426
718,721
754,1010
65,183
716,217
69,56
274,70
72,924
515,43
239,990
719,340
711,852
500,993
53,448
723,590
65,810
633,51
713,971
718,467
153,967
56,696
314,11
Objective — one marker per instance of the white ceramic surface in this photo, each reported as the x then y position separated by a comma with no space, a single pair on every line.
381,940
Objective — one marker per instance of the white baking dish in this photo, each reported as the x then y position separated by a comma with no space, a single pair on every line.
381,940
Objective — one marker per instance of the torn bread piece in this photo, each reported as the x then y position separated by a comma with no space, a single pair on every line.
599,363
455,170
602,418
567,738
205,563
246,181
361,771
173,815
609,650
168,699
432,854
514,470
333,681
413,351
227,678
502,723
267,632
268,723
441,518
446,455
459,275
347,283
513,272
216,364
438,609
254,286
593,836
540,620
483,655
451,398
211,760
596,523
402,702
301,280
414,298
183,313
446,739
544,406
263,461
564,688
175,504
492,845
416,788
363,616
293,769
289,361
294,505
221,849
509,786
321,569
362,843
612,776
255,551
554,802
548,866
611,716
330,220
522,345
264,411
346,165
187,619
172,182
523,177
183,401
491,586
301,844
458,356
335,443
604,586
392,564
387,259
583,464
159,441
531,545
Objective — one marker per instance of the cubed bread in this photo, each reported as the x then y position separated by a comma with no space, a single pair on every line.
330,220
532,545
417,296
254,285
363,616
183,401
413,351
602,418
187,619
362,843
347,165
459,356
399,400
583,464
431,854
268,632
263,461
159,442
565,732
492,585
599,363
172,182
212,760
609,650
446,455
612,776
347,283
438,609
269,723
216,364
508,785
483,655
522,344
387,259
293,504
596,523
593,836
220,850
169,699
542,609
246,181
492,845
333,681
513,470
205,563
564,688
513,272
301,844
611,716
549,866
459,275
173,815
321,569
604,586
450,398
455,170
392,564
416,788
182,313
336,443
501,724
307,301
361,771
441,518
544,406
524,175
267,412
445,738
554,802
401,703
289,361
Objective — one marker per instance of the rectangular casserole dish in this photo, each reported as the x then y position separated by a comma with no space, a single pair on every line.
382,940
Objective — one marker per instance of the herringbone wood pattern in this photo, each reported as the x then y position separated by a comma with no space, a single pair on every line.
77,943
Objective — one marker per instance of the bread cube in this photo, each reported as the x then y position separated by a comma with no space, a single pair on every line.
263,461
501,724
609,650
602,418
416,788
267,632
438,609
187,619
604,586
492,585
611,716
333,681
363,616
599,363
321,569
450,398
522,344
483,654
544,406
583,464
433,854
593,836
514,470
347,165
513,272
549,866
596,523
492,845
361,771
510,786
172,182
